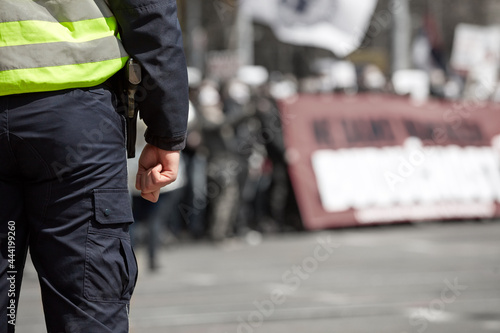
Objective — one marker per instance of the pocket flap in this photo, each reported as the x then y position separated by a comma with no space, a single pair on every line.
112,206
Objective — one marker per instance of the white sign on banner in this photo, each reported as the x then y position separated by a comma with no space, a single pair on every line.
337,25
375,179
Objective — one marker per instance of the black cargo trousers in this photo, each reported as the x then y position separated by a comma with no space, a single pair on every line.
63,196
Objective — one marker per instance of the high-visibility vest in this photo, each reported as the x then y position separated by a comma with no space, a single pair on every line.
51,45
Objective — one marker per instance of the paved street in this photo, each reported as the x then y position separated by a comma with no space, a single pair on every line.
432,277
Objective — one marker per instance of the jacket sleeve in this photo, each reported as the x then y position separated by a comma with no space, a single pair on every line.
151,33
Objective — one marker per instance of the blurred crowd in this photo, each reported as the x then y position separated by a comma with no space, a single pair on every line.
233,180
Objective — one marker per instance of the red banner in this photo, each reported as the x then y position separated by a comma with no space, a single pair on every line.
370,159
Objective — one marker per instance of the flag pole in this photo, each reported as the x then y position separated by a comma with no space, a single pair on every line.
401,35
194,29
245,32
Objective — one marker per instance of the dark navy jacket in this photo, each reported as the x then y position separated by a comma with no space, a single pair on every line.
151,34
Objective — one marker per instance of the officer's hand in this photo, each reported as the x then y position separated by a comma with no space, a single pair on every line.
157,168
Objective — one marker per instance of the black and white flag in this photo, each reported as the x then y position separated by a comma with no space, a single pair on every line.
337,25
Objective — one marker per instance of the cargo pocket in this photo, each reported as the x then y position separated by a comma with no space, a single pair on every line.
110,265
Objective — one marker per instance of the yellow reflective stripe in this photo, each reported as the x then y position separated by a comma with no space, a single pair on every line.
60,54
22,81
37,32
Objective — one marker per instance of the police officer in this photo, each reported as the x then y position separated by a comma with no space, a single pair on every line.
63,178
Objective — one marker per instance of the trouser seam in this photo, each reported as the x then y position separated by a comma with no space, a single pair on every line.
8,134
